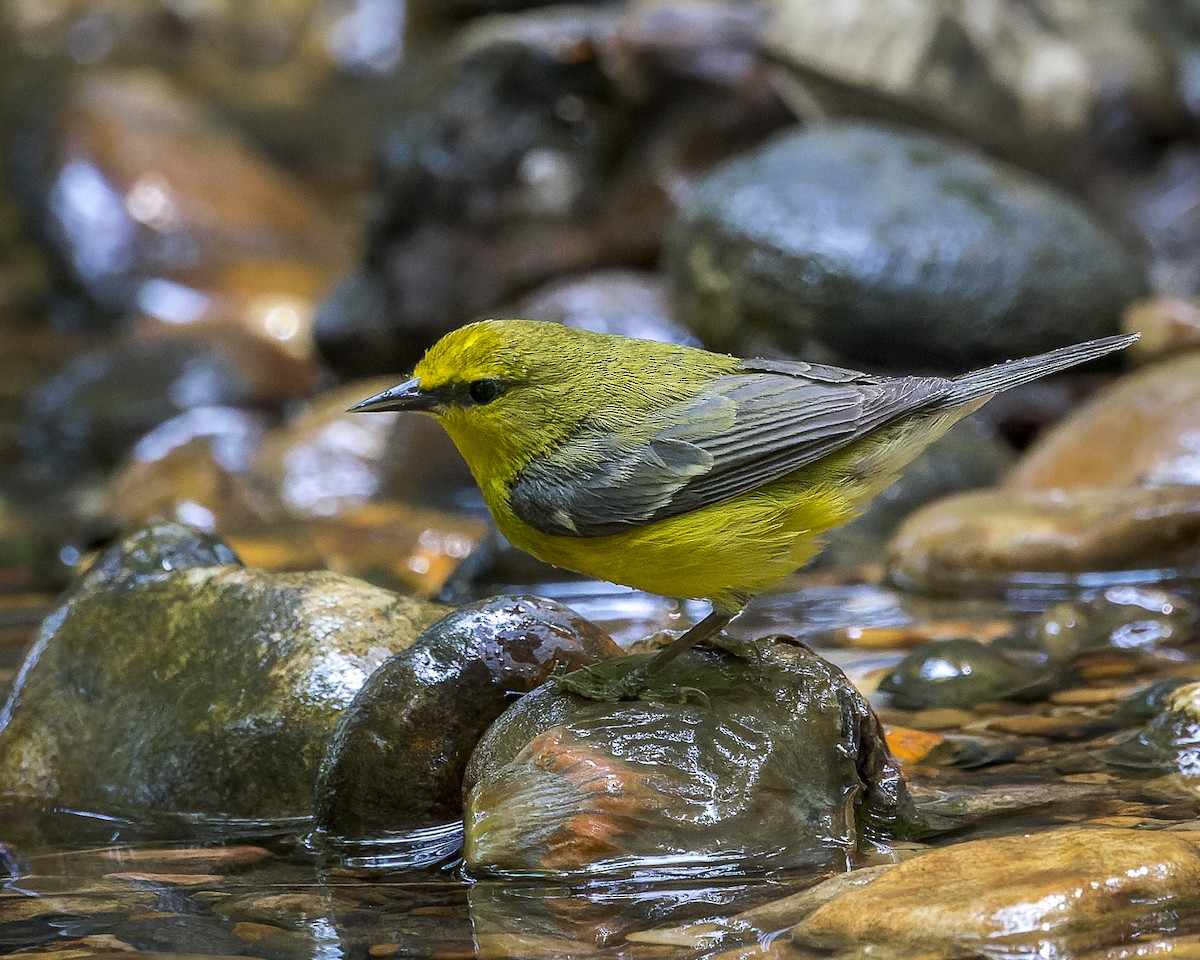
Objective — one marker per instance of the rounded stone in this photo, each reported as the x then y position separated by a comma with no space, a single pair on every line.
397,758
755,763
880,246
171,678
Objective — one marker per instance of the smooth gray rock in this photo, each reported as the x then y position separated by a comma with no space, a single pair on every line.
877,246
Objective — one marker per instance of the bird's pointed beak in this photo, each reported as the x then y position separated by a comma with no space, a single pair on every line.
406,396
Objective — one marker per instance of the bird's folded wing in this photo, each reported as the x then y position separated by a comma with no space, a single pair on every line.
740,432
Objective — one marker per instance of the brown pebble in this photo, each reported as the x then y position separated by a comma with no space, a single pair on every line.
1096,779
906,637
169,879
1106,667
383,949
254,932
1036,726
1088,696
221,859
1117,821
941,718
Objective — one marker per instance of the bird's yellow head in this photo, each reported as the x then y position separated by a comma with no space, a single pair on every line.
508,390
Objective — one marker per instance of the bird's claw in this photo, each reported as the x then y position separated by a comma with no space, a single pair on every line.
606,685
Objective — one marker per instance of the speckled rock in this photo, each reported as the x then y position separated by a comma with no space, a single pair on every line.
397,757
172,678
767,762
879,246
1051,893
979,540
553,142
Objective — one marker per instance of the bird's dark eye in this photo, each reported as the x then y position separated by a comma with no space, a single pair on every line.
484,391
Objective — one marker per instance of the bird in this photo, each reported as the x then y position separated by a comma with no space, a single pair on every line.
676,470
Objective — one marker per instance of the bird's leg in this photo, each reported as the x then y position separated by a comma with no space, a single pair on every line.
707,628
613,680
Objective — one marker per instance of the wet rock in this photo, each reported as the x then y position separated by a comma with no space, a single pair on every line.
1137,432
982,540
962,673
397,758
626,302
327,460
1133,619
1036,83
192,469
161,212
1170,741
1150,701
89,415
308,77
768,762
172,678
1058,892
544,144
879,246
970,455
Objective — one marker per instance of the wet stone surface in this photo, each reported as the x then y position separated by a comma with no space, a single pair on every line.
794,247
774,761
171,678
397,757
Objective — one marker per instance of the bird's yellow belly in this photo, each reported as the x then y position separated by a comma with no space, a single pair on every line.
726,552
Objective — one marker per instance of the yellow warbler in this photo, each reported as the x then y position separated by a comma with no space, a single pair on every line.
675,470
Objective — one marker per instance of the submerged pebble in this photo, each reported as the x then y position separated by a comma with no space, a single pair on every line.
963,673
1170,740
1132,619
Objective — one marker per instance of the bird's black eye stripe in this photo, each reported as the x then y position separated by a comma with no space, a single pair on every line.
484,391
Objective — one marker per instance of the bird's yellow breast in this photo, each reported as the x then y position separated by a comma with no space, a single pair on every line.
731,550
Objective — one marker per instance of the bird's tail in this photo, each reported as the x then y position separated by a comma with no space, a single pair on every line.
1003,376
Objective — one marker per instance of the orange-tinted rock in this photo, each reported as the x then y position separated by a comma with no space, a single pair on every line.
328,459
191,469
395,544
188,485
1167,325
1143,430
1054,893
1116,485
976,536
163,212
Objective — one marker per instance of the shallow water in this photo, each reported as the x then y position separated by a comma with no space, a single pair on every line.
82,885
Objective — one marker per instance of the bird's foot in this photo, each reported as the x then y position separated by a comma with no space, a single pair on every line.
610,680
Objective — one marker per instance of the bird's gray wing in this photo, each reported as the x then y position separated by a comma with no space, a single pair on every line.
740,432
